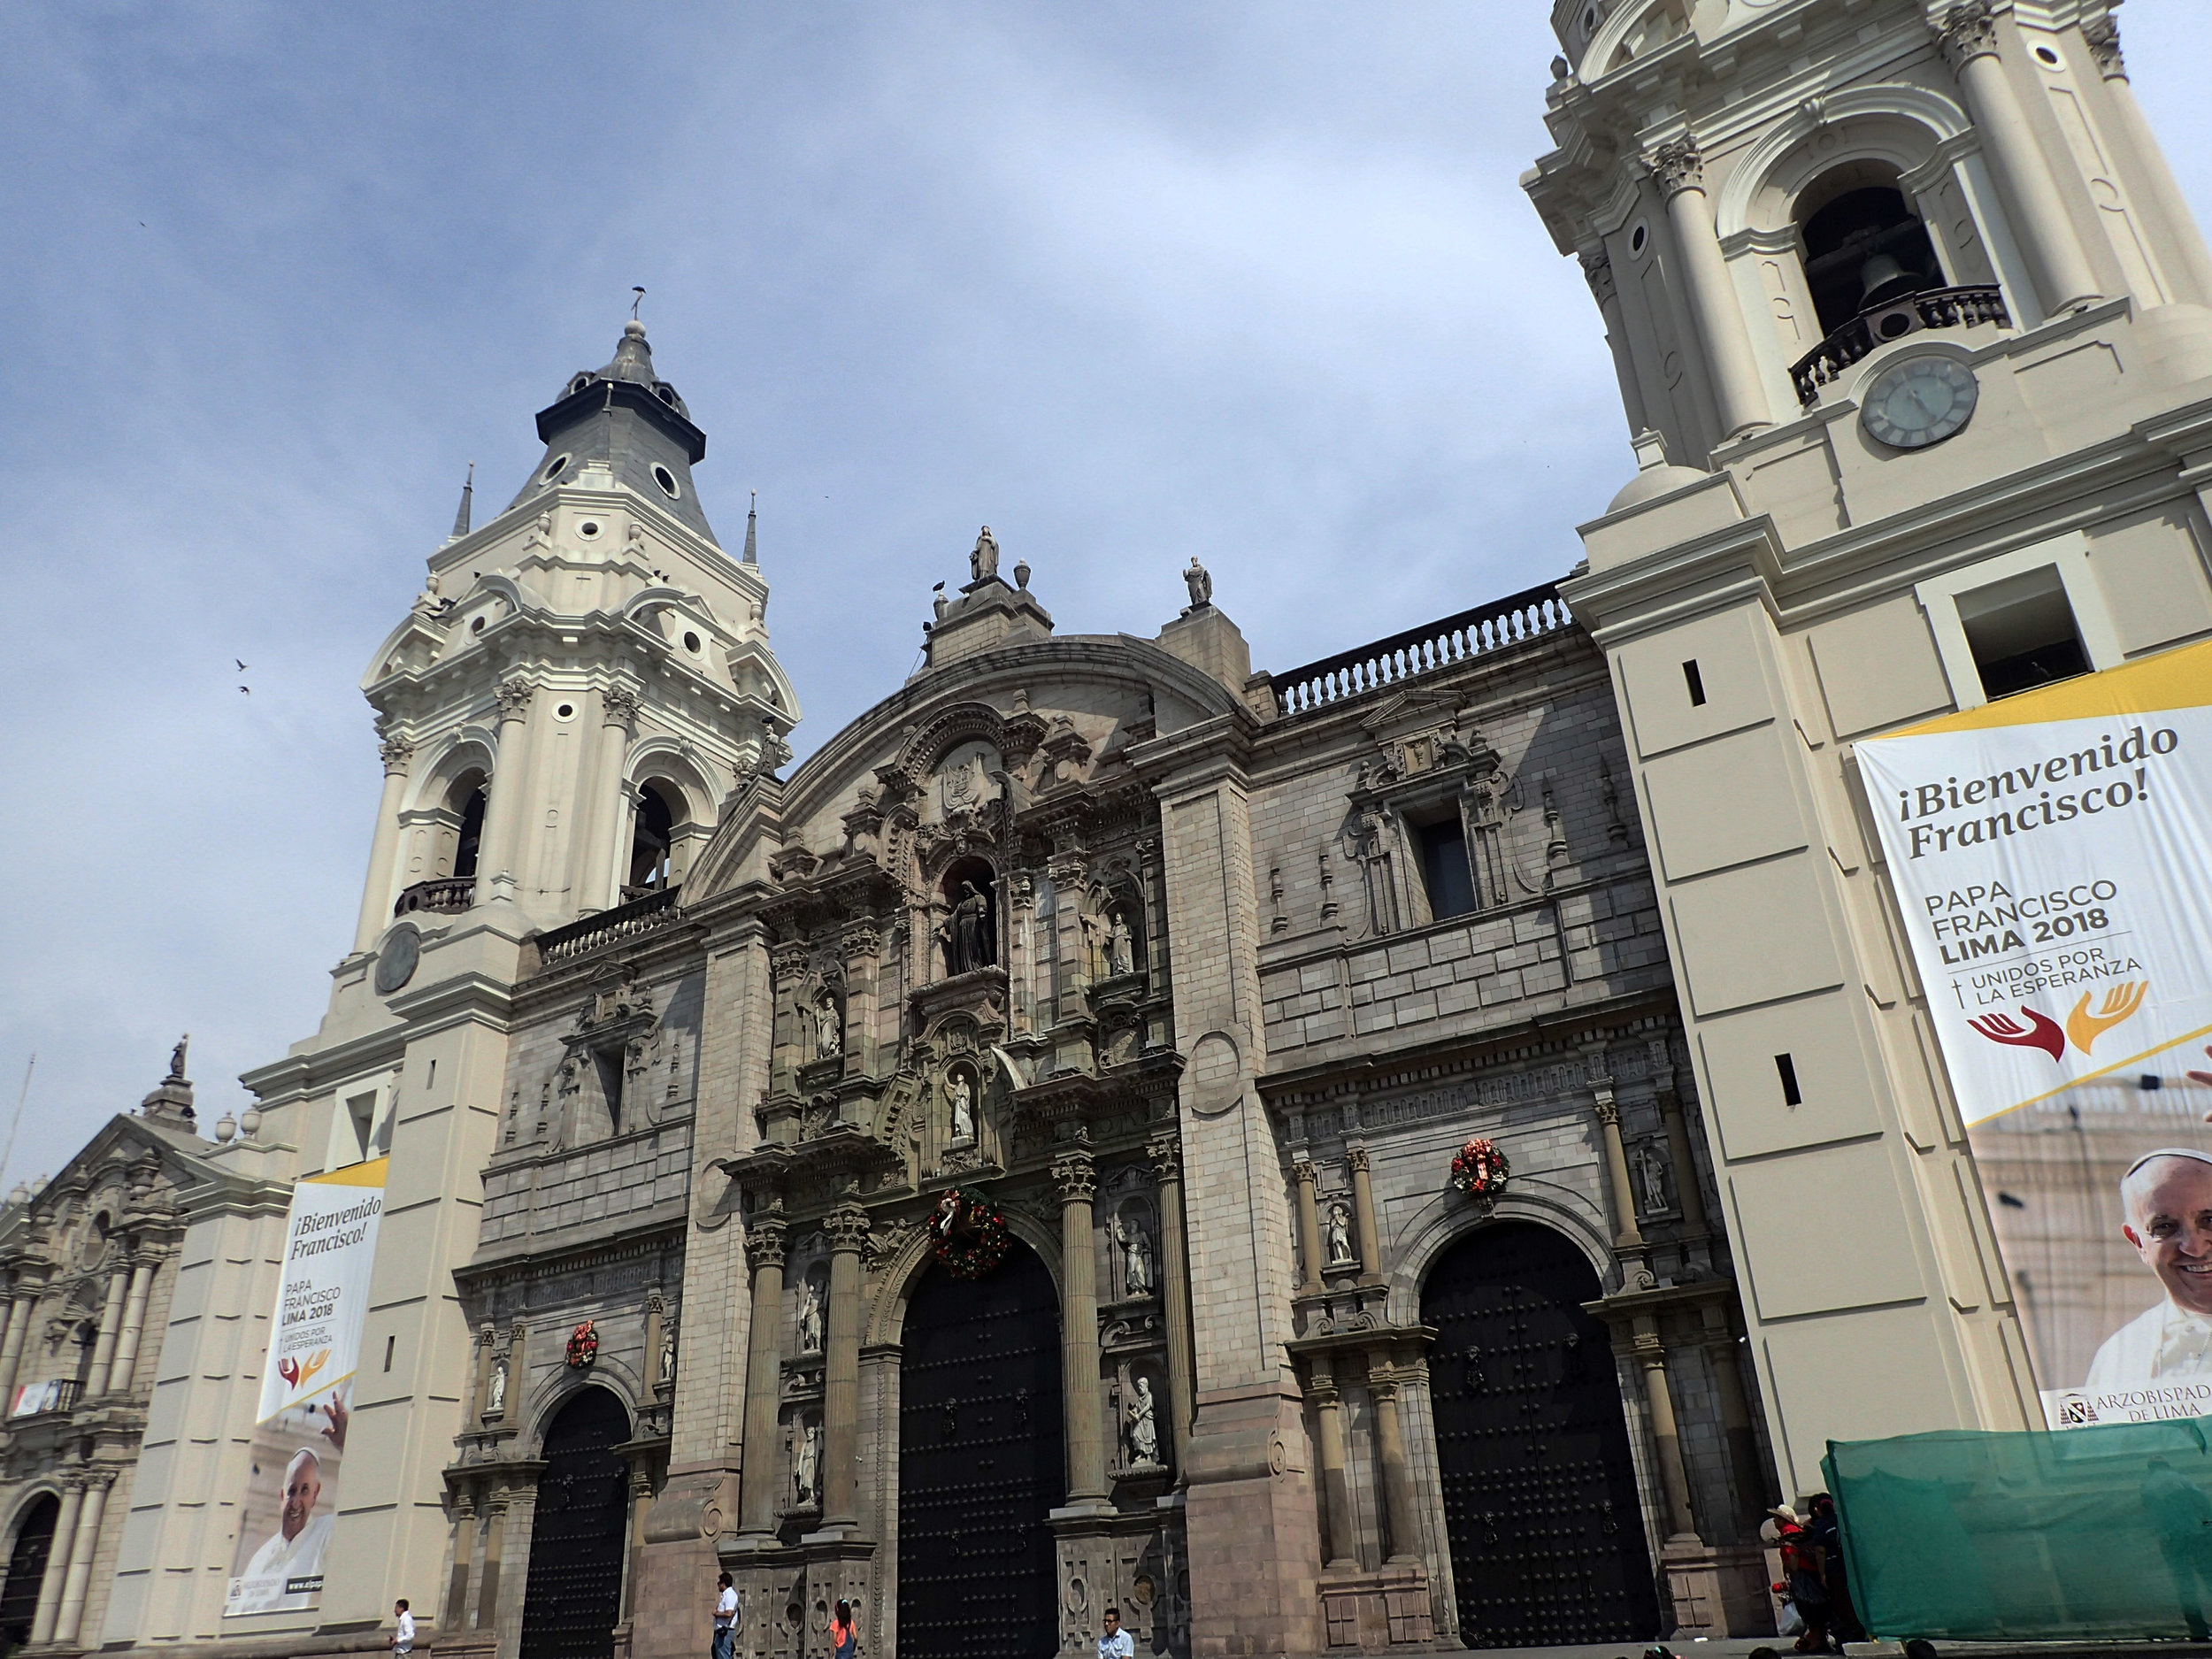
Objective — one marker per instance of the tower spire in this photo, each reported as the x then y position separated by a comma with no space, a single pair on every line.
461,513
752,530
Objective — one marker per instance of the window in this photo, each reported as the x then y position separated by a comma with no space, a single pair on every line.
1863,248
1444,871
651,841
359,1125
472,835
2022,632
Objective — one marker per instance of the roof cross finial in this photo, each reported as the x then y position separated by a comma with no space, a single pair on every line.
635,303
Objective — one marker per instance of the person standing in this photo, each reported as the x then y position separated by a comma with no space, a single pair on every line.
724,1618
402,1628
844,1639
1114,1642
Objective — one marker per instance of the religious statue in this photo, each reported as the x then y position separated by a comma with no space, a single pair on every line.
1651,1175
668,1352
1142,1428
495,1392
1200,583
176,1056
829,1025
962,1099
806,1463
1121,947
968,944
1135,1245
984,560
1339,1225
810,1316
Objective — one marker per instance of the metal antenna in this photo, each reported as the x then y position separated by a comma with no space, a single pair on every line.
635,303
20,1099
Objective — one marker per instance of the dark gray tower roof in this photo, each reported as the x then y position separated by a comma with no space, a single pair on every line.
625,416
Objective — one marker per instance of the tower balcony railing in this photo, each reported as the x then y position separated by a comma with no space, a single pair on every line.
1527,615
655,910
1893,319
447,895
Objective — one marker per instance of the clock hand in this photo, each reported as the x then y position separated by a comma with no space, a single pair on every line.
1913,392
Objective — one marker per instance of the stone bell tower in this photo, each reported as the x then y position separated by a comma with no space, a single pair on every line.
1909,317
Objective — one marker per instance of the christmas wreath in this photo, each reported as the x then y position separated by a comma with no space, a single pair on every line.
1480,1168
971,1233
583,1345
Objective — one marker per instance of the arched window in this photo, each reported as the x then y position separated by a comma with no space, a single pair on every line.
654,837
471,837
1863,247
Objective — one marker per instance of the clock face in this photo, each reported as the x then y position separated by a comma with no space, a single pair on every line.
395,962
1919,401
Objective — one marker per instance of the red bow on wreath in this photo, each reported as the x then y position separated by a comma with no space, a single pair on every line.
1480,1168
583,1345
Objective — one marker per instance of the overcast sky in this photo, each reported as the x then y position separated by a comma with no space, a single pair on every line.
1255,282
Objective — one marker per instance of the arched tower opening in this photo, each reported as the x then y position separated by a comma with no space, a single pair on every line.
1864,245
653,838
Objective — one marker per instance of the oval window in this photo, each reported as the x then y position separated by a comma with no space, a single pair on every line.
666,479
554,468
567,711
589,528
691,644
1638,237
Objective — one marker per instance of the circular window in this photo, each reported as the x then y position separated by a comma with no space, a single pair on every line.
589,528
1638,237
477,626
567,711
691,643
666,479
2044,55
554,468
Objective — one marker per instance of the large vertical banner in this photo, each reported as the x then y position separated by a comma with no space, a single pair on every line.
2052,854
314,1350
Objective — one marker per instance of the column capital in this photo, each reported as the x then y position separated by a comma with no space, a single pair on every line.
1301,1170
1609,1109
1967,31
619,702
1166,1153
75,1481
862,940
764,1241
1597,270
848,1229
2103,35
1076,1175
1355,1156
397,753
514,696
1677,165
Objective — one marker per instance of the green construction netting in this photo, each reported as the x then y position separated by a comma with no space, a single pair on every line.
2100,1533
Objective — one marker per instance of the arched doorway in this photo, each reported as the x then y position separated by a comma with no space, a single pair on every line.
980,1463
574,1598
1539,1492
27,1570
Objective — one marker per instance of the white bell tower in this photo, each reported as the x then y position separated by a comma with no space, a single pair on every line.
1909,320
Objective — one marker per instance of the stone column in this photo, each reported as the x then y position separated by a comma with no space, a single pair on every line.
95,1383
142,1267
1310,1281
1078,1179
848,1227
19,1323
763,1377
1363,1215
1390,1442
602,864
454,1614
494,1547
506,808
383,879
1599,270
49,1589
1753,1487
1679,170
1628,1237
1165,1151
1336,1491
1687,1186
1666,1437
2063,279
2103,35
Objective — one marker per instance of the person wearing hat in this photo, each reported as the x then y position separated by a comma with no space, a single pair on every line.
1802,1576
2167,1198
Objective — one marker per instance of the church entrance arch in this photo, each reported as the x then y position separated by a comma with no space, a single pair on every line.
27,1570
980,1463
574,1598
1541,1506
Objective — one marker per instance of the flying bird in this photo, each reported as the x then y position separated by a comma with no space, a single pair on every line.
247,689
242,667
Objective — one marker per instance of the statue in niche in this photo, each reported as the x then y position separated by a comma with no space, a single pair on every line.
1142,1427
962,1098
1121,946
806,1465
496,1391
829,1025
1135,1245
811,1312
1200,583
668,1352
984,560
1651,1176
968,932
1340,1231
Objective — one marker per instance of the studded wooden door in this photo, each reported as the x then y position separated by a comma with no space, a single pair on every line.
1539,1493
27,1570
980,1464
574,1598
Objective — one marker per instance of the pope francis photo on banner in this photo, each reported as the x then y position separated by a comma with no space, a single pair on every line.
2167,1197
296,1549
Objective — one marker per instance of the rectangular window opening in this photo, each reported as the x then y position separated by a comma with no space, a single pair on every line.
433,1082
1787,1067
1444,871
2022,632
390,1342
361,1114
1696,683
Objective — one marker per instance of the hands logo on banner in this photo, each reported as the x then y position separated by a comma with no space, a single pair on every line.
295,1374
2084,1027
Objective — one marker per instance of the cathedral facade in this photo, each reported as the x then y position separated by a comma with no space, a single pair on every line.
1317,1161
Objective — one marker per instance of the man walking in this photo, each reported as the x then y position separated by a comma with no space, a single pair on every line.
1114,1642
724,1618
403,1629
